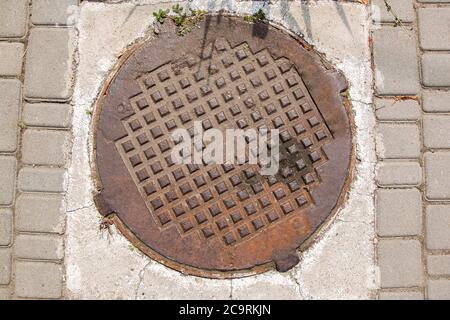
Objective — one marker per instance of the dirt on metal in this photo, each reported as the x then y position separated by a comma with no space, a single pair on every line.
215,220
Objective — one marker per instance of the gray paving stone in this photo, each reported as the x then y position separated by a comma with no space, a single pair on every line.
401,295
13,18
436,101
10,100
436,131
398,173
6,226
5,293
404,9
8,174
439,289
5,266
434,24
38,280
397,110
399,212
436,69
400,263
39,246
438,265
395,59
42,179
48,68
47,115
398,141
11,58
44,147
437,171
438,227
53,12
40,213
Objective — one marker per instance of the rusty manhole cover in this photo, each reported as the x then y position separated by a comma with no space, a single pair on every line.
221,220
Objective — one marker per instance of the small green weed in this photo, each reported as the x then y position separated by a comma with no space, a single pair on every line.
256,17
183,19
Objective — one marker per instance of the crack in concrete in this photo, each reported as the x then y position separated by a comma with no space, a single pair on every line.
80,208
141,279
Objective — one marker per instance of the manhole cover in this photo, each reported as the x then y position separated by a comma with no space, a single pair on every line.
221,220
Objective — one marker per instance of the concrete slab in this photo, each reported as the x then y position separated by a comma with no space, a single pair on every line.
103,265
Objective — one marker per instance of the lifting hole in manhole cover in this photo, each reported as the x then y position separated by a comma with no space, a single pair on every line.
230,215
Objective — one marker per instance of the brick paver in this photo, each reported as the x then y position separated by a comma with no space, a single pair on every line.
439,289
53,12
395,60
11,59
42,179
436,101
38,280
399,212
8,174
434,24
438,227
438,265
399,173
39,246
10,93
436,69
398,141
397,110
401,295
5,266
54,115
13,18
40,213
400,263
437,170
44,147
436,131
403,8
48,68
6,226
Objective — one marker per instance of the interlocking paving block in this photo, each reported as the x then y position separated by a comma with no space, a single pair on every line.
6,226
8,174
5,293
436,101
398,141
433,26
39,246
398,173
395,59
437,171
400,263
59,12
10,101
40,213
13,18
5,266
38,280
401,295
11,58
42,179
55,115
216,219
399,212
404,10
438,227
44,147
397,110
439,289
48,67
436,69
436,131
438,265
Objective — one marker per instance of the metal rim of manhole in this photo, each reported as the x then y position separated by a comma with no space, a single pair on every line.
222,220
